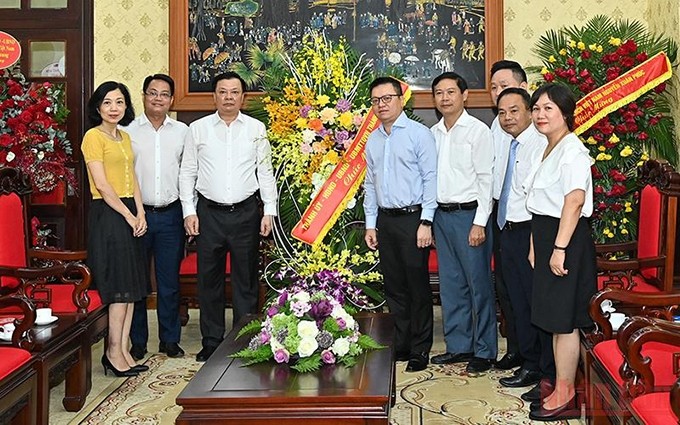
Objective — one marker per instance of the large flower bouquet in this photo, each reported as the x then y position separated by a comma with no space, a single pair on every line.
314,107
585,58
306,326
32,135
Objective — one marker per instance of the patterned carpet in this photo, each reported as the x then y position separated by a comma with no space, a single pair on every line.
436,396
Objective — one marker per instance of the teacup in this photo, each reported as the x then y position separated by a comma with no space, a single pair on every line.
616,319
43,314
6,331
607,307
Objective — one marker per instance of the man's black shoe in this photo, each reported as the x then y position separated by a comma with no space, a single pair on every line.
205,353
172,349
543,389
450,358
417,362
402,356
137,352
509,361
524,378
477,365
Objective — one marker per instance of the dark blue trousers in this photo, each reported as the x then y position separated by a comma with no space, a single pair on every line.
164,241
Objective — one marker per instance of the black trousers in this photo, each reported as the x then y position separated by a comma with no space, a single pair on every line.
501,288
535,345
407,282
221,231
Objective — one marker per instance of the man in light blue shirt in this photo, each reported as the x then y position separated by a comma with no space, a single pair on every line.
399,204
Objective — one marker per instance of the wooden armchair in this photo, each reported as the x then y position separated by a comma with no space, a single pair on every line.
63,287
646,264
18,378
608,376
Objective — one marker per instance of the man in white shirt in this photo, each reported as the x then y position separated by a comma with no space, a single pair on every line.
158,143
464,179
514,221
504,74
227,160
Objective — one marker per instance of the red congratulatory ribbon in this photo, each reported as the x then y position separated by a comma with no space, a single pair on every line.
342,184
619,92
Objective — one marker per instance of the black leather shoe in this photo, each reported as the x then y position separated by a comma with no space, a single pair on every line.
205,353
509,361
450,358
402,356
524,378
172,349
543,389
417,362
137,352
139,368
570,410
477,365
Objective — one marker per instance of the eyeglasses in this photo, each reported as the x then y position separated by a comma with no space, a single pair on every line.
163,95
387,99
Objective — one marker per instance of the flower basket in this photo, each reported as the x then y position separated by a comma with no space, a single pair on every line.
585,58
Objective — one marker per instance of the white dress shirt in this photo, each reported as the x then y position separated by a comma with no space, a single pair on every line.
501,148
227,163
158,155
530,150
565,169
465,164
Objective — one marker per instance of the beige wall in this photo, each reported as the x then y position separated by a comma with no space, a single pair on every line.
131,36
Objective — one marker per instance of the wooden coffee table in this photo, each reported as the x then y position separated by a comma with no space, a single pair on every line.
224,392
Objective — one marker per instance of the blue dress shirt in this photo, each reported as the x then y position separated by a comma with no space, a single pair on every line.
401,169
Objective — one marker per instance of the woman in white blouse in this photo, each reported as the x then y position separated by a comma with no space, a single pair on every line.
562,249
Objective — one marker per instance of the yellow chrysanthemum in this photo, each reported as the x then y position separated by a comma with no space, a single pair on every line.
614,138
591,140
601,148
571,43
345,119
614,41
322,100
552,59
599,48
301,123
544,70
626,152
624,231
628,207
592,47
602,157
581,45
563,52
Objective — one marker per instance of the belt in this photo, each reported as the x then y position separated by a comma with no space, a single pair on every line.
517,225
458,206
228,207
401,211
162,208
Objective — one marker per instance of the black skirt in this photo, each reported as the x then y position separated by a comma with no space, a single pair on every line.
117,259
560,303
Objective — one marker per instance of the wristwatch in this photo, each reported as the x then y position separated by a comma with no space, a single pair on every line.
427,223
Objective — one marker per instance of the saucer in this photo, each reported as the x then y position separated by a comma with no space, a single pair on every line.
47,321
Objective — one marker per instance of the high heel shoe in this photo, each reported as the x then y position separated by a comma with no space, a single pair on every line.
569,410
139,368
106,363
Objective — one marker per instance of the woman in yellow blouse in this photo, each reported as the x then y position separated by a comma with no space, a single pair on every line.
116,253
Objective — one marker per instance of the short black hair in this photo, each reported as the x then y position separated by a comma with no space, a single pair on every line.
561,96
460,81
163,77
229,75
386,80
97,98
517,70
516,90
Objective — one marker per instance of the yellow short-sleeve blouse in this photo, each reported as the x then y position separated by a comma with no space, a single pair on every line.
117,158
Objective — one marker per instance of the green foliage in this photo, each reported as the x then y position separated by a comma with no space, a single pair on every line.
251,328
308,364
368,343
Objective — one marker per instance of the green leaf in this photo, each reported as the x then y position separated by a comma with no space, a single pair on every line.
308,364
348,361
368,343
251,328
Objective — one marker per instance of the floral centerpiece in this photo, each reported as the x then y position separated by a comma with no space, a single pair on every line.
32,134
306,327
314,106
585,58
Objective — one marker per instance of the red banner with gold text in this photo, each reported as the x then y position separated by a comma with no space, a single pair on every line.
619,92
341,185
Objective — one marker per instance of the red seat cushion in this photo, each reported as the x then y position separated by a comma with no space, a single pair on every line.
12,242
189,265
432,263
608,353
654,409
12,359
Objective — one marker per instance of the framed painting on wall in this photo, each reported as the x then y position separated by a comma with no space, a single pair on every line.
422,38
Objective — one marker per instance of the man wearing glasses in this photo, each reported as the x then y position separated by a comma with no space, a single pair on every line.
399,204
158,143
227,160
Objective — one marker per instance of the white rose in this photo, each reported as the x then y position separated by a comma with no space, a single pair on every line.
10,156
350,321
307,329
338,311
340,347
308,346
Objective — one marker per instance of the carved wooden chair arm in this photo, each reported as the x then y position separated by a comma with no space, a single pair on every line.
57,256
23,332
643,380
